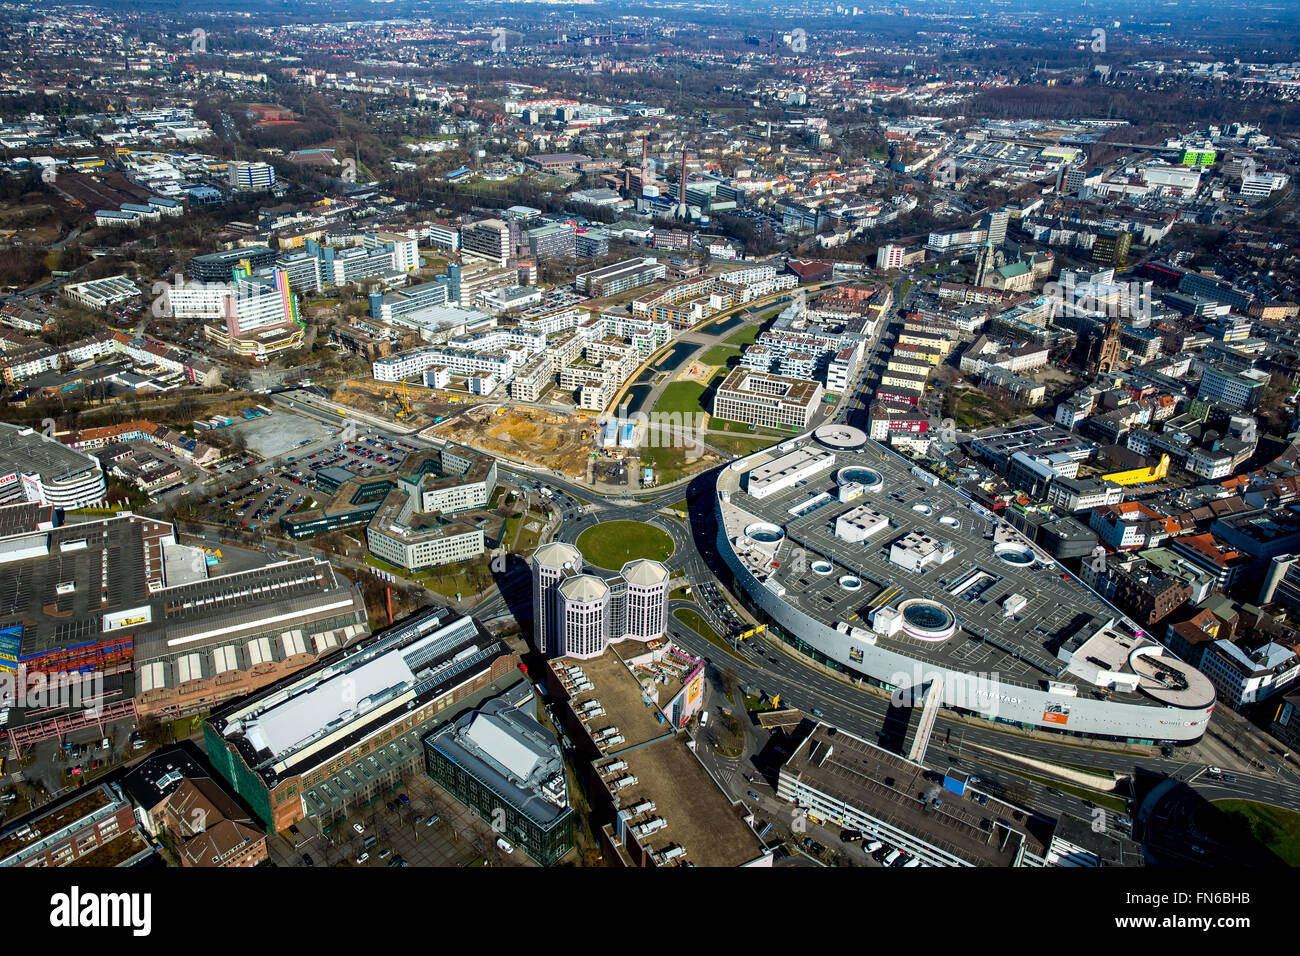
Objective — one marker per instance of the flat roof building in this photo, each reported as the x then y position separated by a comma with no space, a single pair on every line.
40,469
769,400
967,588
507,768
349,727
654,801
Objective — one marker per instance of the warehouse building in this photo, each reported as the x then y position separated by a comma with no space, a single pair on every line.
117,600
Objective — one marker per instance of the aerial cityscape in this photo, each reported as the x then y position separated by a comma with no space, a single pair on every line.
712,434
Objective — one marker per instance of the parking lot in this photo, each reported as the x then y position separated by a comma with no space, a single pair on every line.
280,432
402,833
263,499
79,757
365,456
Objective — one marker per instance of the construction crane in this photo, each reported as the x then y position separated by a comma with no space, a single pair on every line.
404,409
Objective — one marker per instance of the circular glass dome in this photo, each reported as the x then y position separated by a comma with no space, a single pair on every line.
764,532
867,477
1014,554
850,583
950,521
924,509
925,615
822,567
927,620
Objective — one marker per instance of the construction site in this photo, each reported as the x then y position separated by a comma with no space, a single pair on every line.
558,440
405,404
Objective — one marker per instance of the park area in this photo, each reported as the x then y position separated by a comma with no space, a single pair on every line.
611,544
1273,832
973,409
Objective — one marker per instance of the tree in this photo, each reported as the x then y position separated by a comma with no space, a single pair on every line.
730,682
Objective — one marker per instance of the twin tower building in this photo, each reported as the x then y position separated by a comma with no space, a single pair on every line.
579,611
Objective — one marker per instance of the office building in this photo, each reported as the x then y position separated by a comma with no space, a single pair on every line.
994,225
579,611
772,401
404,250
499,762
620,277
428,512
552,241
487,239
92,827
1238,390
1111,248
327,740
251,177
204,825
218,266
100,294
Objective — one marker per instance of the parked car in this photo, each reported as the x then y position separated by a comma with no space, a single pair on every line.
362,858
359,828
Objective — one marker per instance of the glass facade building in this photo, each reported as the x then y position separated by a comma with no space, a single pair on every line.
504,766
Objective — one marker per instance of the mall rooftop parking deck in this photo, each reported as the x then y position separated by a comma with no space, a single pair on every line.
939,587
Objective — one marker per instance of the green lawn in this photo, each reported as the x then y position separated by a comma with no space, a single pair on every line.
681,397
745,336
611,544
669,464
972,409
739,446
1242,822
462,578
719,355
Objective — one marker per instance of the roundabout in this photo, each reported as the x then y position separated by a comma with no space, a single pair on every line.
611,544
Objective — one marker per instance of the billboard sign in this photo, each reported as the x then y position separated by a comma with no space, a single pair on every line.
1057,714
